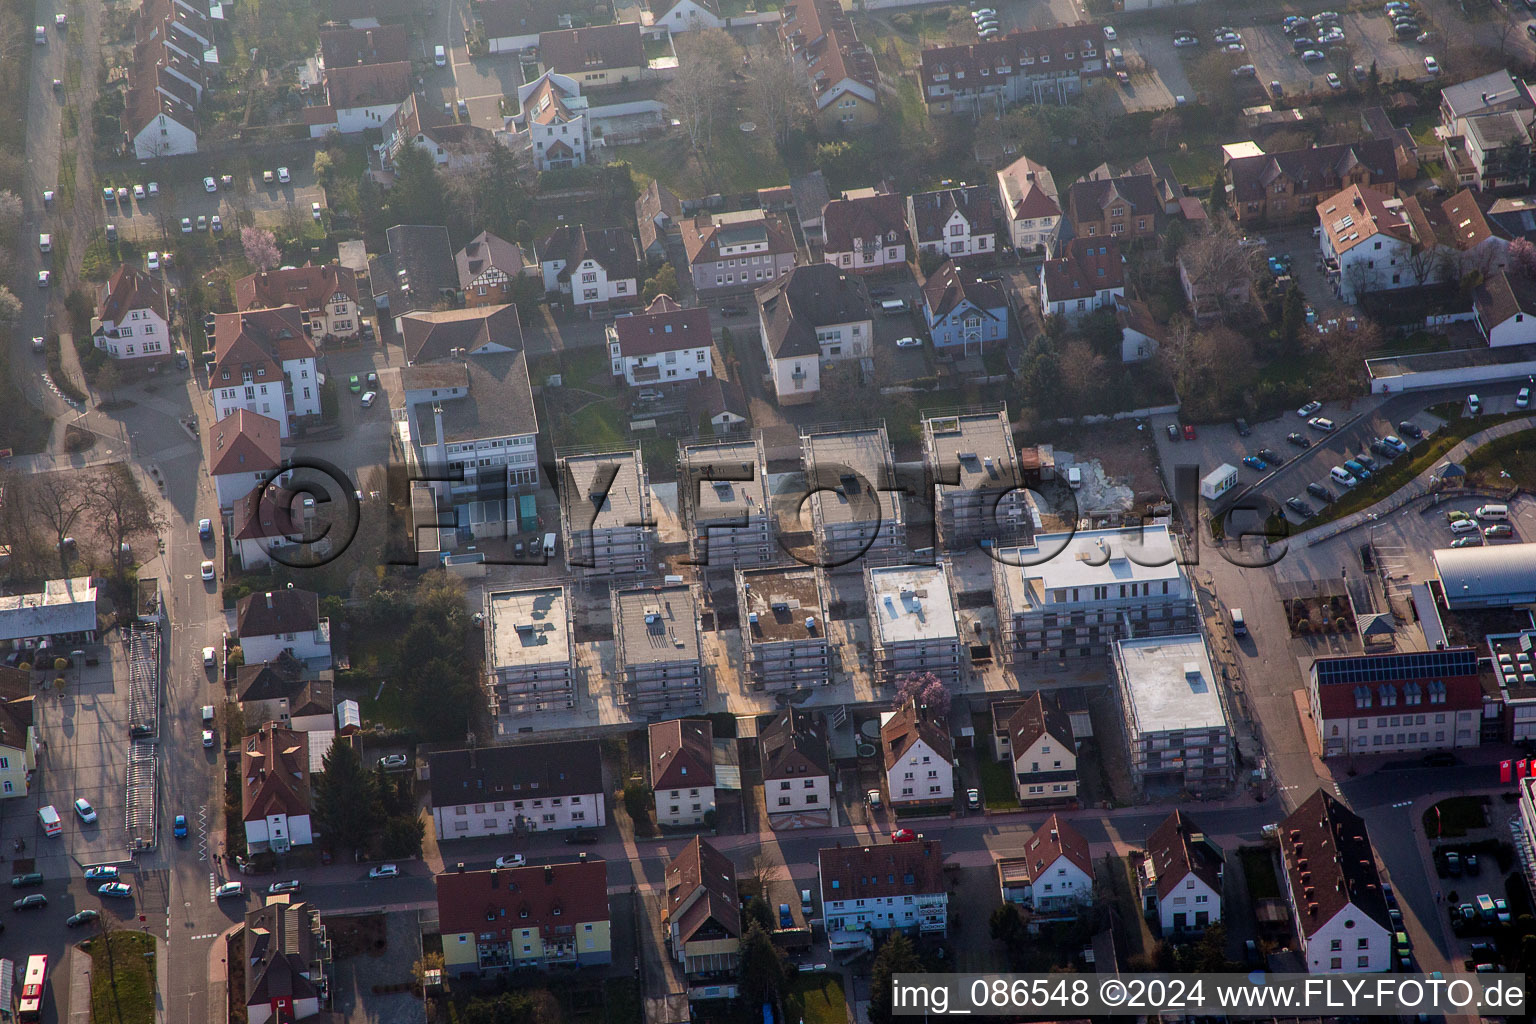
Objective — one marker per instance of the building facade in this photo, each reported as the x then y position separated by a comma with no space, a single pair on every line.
723,494
918,756
605,513
797,770
855,511
683,771
1396,703
517,790
538,917
134,320
1181,877
1175,724
912,623
975,471
882,888
1334,889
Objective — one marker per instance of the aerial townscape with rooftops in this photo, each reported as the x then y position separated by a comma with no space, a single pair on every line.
702,510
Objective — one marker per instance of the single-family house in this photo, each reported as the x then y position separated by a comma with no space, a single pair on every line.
678,16
418,271
276,622
797,770
1054,875
1125,207
1031,205
819,37
599,268
327,296
132,318
882,887
1042,752
1088,274
954,222
287,957
659,213
452,334
1455,237
1334,889
683,771
359,97
1140,334
489,266
1181,876
964,312
384,44
513,25
1366,243
734,252
552,120
275,795
18,733
918,754
453,145
815,314
276,691
597,55
865,235
264,362
701,912
244,452
1505,306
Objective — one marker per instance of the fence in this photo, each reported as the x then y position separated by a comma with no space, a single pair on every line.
143,645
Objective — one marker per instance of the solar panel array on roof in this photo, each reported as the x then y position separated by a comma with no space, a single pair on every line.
1459,661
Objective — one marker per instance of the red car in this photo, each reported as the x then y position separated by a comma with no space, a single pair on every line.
1189,432
903,835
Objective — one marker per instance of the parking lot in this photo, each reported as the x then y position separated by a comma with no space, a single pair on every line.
87,751
153,219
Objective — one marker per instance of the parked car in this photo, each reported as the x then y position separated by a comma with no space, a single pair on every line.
368,399
903,835
1173,432
1245,71
1396,443
1189,432
1299,440
216,222
1254,463
354,384
116,890
1334,82
580,837
84,917
1410,429
101,873
1300,507
85,810
1431,65
229,889
385,871
282,175
1322,423
26,880
973,799
35,901
909,342
179,827
206,570
1472,541
1309,409
278,888
515,860
209,185
1320,492
1523,399
1270,456
1313,56
394,762
786,919
1499,530
205,529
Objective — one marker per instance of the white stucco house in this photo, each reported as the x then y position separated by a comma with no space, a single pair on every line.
275,789
264,362
686,15
1334,889
1181,876
1366,243
683,771
1088,274
244,452
1031,205
1054,874
277,621
813,315
132,317
1505,305
515,790
666,344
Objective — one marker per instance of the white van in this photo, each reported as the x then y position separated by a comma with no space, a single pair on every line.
1493,512
52,826
207,714
440,57
1342,476
893,306
549,544
1075,478
1239,627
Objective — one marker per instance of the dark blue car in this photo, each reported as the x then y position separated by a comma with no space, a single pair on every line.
785,919
179,827
1254,462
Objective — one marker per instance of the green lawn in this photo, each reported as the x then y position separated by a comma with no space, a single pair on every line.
997,785
1455,817
1259,869
816,999
598,423
1514,455
122,978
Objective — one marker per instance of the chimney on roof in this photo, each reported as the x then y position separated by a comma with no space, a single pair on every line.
269,600
460,867
549,874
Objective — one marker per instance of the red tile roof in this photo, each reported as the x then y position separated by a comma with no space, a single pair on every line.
385,44
821,35
368,85
1329,864
244,442
128,289
909,725
1053,840
259,339
274,773
1085,266
881,871
1178,848
309,287
682,754
1036,718
701,867
1034,188
500,903
663,327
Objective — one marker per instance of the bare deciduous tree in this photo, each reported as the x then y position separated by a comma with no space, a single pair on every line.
1218,263
778,92
120,510
55,499
695,96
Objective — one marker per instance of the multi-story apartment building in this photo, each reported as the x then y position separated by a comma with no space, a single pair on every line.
18,734
656,640
519,789
856,512
917,753
1175,725
1334,889
882,888
1181,876
1069,595
912,623
605,513
326,294
509,919
736,252
1286,187
815,315
683,771
865,234
528,650
954,222
666,344
723,495
783,627
264,361
977,485
1035,66
1396,703
701,915
134,318
1031,205
797,770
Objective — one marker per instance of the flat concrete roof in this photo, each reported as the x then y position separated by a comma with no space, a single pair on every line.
912,602
725,498
782,599
977,448
866,453
624,503
527,627
1095,558
1170,683
673,636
